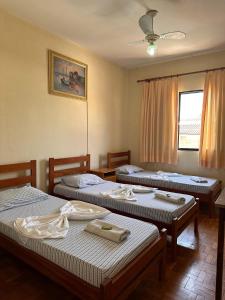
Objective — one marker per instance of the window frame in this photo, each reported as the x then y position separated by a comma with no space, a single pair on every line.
180,93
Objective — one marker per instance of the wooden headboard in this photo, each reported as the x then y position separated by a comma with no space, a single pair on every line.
18,180
83,167
118,159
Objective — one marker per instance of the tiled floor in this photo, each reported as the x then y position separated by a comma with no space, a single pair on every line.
191,277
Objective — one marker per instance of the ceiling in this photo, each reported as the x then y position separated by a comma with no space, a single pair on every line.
107,26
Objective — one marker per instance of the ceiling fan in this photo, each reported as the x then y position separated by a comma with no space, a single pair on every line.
146,24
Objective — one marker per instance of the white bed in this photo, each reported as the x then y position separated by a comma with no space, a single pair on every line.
146,206
85,255
180,183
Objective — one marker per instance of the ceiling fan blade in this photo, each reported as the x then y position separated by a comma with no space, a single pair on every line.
174,35
136,43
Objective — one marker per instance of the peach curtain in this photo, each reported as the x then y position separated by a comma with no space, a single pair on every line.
159,121
212,141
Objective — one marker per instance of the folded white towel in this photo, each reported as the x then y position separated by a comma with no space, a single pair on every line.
173,198
199,179
139,188
108,231
43,227
169,174
79,210
158,177
124,193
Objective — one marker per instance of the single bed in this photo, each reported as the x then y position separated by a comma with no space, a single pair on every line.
82,267
207,192
175,218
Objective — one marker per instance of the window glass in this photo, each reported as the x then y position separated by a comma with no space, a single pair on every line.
190,112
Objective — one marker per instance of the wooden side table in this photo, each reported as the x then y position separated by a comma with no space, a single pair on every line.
220,203
105,173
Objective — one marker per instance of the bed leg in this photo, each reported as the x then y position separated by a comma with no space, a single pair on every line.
196,225
174,248
174,239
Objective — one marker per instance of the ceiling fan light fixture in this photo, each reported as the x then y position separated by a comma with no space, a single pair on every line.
151,48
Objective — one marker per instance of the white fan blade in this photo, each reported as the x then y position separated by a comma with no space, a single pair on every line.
136,43
174,35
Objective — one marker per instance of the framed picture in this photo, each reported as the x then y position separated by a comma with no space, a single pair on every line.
67,76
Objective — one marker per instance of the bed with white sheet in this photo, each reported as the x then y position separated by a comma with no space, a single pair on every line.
174,217
81,253
206,189
90,266
172,181
146,205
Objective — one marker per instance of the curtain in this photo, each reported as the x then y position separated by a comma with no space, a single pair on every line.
159,121
212,141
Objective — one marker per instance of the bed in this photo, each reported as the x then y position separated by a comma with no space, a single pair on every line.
175,219
87,274
206,192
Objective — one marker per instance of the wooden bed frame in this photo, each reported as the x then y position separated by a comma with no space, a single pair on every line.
118,159
118,287
174,229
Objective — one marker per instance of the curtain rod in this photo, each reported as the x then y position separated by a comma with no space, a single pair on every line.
181,74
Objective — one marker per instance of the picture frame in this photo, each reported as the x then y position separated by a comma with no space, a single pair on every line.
67,77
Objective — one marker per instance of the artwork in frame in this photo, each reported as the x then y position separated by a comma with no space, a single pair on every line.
67,76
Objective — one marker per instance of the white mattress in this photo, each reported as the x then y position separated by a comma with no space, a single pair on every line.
146,206
86,255
181,183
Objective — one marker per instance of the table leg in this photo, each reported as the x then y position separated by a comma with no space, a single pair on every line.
220,248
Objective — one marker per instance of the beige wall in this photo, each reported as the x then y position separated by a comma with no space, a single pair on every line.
36,125
188,160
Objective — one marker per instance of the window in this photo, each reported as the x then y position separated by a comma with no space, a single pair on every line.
190,112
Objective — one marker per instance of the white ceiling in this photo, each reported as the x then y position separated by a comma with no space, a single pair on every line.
107,26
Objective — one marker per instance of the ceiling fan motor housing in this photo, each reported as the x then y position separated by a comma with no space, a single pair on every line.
152,12
152,37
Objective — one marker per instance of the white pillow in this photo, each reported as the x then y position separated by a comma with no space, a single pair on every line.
128,169
81,180
20,196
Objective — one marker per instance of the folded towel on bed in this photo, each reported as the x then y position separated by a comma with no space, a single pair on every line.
124,193
43,227
157,177
169,174
108,231
173,198
199,179
139,188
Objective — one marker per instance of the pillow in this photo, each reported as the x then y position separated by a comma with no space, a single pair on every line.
20,196
128,169
81,180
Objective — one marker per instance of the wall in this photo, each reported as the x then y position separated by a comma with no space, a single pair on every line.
37,125
188,160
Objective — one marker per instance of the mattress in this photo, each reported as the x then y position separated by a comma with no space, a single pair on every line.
146,206
179,183
83,254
